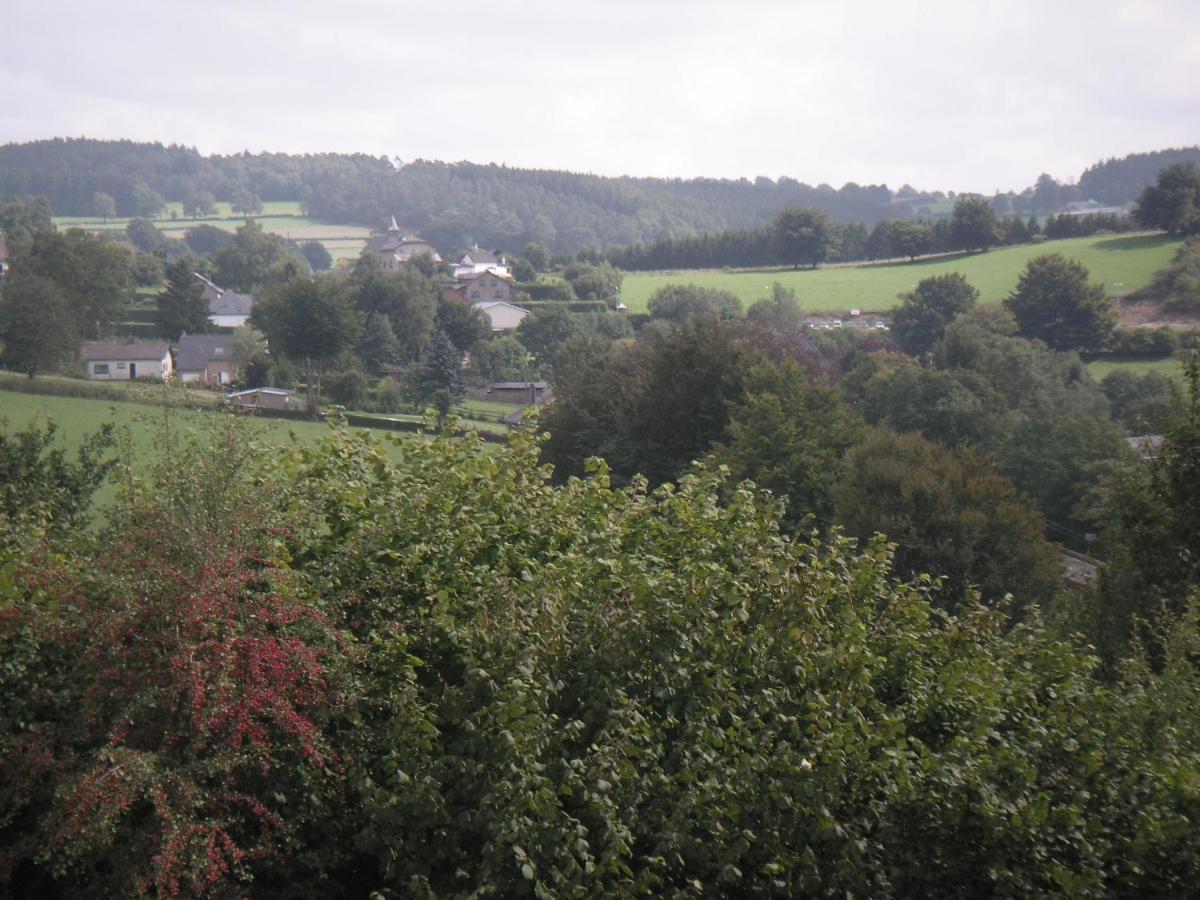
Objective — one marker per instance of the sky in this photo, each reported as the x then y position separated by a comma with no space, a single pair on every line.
970,95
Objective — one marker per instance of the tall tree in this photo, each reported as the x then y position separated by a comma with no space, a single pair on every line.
181,304
95,275
37,325
973,225
439,381
925,311
246,263
104,206
801,237
1054,302
1172,203
310,321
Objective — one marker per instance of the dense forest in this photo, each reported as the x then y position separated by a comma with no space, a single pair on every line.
459,203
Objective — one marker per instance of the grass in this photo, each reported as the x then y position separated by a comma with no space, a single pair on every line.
1169,366
281,217
1122,262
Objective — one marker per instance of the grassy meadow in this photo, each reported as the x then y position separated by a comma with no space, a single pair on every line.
282,217
1122,262
1170,366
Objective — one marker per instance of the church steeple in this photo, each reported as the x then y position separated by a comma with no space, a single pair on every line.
394,227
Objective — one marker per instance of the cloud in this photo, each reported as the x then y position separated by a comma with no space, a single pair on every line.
939,94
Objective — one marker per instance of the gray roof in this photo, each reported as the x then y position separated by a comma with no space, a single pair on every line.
228,303
481,257
475,276
197,350
154,350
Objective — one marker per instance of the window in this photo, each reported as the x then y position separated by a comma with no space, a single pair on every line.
120,366
100,369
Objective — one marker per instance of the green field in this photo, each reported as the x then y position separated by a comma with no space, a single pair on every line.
282,217
1169,366
1122,262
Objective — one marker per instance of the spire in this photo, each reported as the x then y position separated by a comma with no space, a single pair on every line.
393,226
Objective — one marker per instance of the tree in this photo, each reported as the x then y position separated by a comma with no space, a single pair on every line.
311,321
95,275
1054,302
537,256
143,235
405,296
465,325
39,484
199,204
677,302
246,263
925,311
246,202
502,358
182,308
973,225
207,239
910,239
378,347
949,513
439,381
147,202
790,434
148,270
37,325
594,282
801,237
547,329
1179,283
104,206
316,254
1172,203
780,312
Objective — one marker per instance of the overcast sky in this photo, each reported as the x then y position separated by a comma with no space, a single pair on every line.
961,95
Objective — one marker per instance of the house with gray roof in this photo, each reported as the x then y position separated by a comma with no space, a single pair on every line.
395,249
206,358
226,309
125,362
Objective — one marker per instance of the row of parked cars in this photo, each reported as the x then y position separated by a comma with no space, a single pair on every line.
856,323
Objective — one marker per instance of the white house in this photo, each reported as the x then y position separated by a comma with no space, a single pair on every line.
125,362
503,316
395,249
226,309
475,261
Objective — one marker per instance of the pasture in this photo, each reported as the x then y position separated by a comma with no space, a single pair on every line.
282,217
1123,263
1170,366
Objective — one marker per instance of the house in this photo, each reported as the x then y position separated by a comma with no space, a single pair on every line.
226,309
206,358
125,362
475,261
262,398
526,392
483,286
395,249
503,316
1147,446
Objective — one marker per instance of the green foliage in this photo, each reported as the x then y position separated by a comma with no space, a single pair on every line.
40,485
801,237
465,325
499,359
439,381
147,202
93,273
594,282
973,225
1139,403
925,311
316,255
1172,203
321,673
1055,303
405,296
181,304
38,332
378,347
207,239
104,206
143,235
781,311
790,434
544,331
1179,283
246,263
949,513
246,202
677,302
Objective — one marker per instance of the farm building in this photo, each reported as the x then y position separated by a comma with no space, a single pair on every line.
207,358
503,316
226,309
262,398
126,362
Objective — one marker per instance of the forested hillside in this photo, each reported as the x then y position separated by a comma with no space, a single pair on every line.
1116,181
452,204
